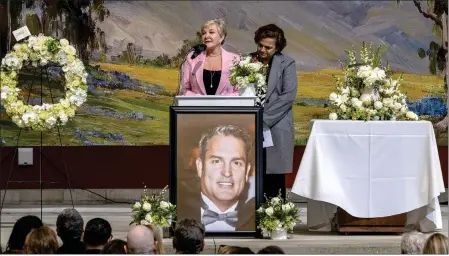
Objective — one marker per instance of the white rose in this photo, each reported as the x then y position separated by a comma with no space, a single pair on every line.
275,200
412,116
269,211
397,105
365,98
333,116
148,218
343,108
163,205
333,96
260,210
137,206
64,42
345,90
146,207
344,98
285,207
403,109
378,105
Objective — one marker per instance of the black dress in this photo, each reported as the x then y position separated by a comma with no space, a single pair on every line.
211,80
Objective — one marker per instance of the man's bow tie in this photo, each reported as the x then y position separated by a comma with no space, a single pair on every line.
210,217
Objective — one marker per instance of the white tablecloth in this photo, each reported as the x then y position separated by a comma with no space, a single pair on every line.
372,169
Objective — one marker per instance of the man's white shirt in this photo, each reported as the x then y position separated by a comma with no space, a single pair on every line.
218,225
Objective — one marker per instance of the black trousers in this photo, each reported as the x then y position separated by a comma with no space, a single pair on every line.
272,183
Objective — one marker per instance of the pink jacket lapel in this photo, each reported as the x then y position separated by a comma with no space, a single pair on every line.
199,66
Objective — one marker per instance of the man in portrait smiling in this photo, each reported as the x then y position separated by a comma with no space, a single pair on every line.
223,168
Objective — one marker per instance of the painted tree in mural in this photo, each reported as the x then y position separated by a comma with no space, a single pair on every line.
74,20
436,10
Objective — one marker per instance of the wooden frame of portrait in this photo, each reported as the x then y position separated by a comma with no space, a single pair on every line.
185,154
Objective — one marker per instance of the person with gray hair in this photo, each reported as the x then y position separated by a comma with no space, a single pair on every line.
224,167
140,240
412,242
69,227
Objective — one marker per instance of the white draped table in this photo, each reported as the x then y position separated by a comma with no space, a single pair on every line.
371,169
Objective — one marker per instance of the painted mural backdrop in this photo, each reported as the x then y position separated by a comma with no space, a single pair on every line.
133,50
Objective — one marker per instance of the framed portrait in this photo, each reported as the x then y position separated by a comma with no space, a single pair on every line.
216,167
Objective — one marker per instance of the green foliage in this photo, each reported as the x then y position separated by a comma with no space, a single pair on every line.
277,213
152,209
53,46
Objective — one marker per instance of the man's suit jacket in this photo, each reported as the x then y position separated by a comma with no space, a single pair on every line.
278,114
189,206
192,71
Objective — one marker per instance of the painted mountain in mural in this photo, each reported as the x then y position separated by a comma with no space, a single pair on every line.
318,32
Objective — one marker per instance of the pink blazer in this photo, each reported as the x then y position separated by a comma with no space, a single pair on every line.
192,80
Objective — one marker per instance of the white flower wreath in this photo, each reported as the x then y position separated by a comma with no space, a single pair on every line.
40,51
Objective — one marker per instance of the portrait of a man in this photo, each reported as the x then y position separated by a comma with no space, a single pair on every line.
216,170
223,168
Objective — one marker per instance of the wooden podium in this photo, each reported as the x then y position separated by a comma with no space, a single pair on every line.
350,224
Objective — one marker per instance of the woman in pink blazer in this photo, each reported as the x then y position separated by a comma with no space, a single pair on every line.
208,73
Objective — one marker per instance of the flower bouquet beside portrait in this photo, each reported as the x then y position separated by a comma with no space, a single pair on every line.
368,92
276,217
152,209
248,75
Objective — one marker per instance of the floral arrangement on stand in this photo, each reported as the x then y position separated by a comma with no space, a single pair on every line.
41,51
248,75
153,209
277,216
368,92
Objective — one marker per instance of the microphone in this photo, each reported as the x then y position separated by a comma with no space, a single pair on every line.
198,49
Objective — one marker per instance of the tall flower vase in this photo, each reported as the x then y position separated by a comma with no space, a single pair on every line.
250,90
280,234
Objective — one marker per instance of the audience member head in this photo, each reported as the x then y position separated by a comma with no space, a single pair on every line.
229,249
41,241
140,240
412,242
158,239
69,225
271,249
436,244
21,228
116,246
188,237
97,233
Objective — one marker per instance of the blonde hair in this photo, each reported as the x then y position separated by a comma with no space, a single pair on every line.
221,27
436,244
41,241
158,237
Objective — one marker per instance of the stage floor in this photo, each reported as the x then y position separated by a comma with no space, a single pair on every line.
301,242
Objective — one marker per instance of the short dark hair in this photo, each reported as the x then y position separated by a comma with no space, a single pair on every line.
21,229
97,232
188,236
116,246
69,225
230,249
271,31
271,249
226,130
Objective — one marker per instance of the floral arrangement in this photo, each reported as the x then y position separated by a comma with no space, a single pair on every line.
367,91
277,214
41,51
246,71
152,209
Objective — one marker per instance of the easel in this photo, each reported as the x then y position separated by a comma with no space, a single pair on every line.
41,154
